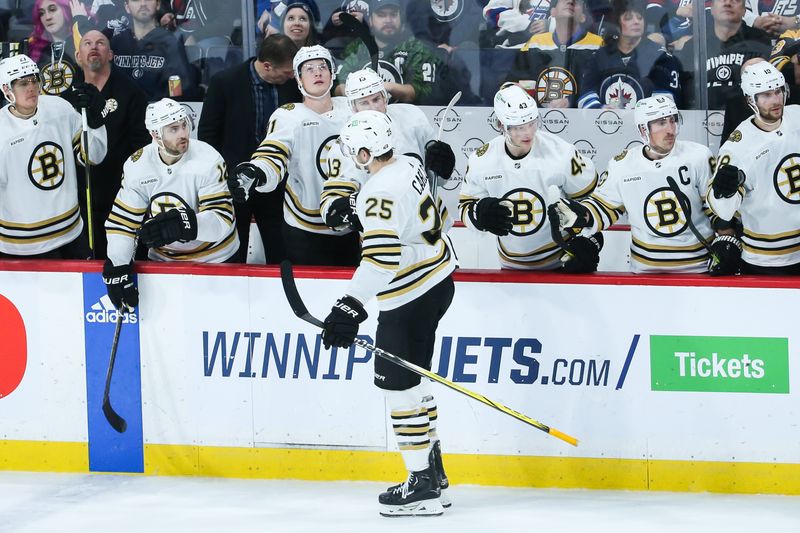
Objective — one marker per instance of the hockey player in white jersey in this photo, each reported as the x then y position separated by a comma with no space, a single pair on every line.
661,240
506,185
175,196
407,266
299,138
758,175
413,136
41,140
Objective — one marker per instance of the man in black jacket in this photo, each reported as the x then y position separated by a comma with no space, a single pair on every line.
125,104
236,109
151,54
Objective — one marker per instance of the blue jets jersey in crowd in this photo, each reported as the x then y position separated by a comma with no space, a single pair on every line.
620,80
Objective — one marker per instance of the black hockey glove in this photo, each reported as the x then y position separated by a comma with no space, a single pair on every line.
341,325
88,97
177,224
490,214
342,214
120,286
246,176
440,159
727,181
571,214
583,254
726,256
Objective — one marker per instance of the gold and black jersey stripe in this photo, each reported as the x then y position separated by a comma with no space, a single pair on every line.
334,189
465,204
124,219
220,203
586,190
776,244
41,231
416,275
307,218
198,253
275,154
668,257
381,248
547,256
603,212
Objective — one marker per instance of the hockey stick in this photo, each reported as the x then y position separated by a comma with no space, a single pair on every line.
433,178
362,32
299,309
684,201
116,421
88,167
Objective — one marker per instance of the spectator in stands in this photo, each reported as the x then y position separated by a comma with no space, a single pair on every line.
408,62
774,17
151,54
628,68
51,45
237,106
729,44
299,24
670,21
445,23
204,23
335,35
512,22
110,15
125,104
550,65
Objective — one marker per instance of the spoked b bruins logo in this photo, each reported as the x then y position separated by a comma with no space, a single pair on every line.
555,83
46,166
328,167
527,209
787,179
663,213
163,202
57,77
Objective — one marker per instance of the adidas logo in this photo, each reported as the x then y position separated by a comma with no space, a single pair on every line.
103,312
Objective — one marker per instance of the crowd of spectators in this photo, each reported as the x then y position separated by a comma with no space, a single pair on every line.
567,53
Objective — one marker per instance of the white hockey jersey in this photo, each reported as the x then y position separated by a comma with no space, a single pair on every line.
404,252
767,202
660,237
149,187
296,149
38,182
411,131
492,172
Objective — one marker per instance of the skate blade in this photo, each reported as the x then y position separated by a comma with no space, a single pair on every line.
445,499
421,508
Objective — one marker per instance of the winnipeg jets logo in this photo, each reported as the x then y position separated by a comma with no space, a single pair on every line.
447,10
620,91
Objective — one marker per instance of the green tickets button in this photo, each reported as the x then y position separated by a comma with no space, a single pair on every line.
719,364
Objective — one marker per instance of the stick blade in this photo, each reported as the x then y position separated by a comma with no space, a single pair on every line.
117,422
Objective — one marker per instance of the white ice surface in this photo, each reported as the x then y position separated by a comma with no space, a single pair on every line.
119,504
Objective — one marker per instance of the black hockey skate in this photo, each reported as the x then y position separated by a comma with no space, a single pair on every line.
444,484
417,496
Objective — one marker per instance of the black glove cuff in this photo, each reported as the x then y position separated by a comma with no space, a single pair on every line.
351,307
728,238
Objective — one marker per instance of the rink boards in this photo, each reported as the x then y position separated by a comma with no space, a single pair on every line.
683,383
